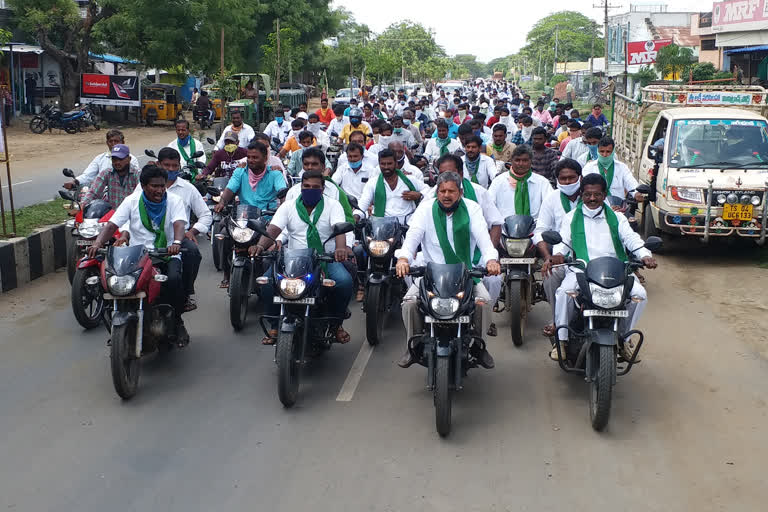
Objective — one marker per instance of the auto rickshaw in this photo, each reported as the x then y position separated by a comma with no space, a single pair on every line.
161,102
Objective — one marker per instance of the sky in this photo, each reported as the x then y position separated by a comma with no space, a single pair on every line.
485,28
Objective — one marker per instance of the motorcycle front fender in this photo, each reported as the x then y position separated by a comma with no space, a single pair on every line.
378,278
124,317
517,274
607,337
240,262
88,262
288,326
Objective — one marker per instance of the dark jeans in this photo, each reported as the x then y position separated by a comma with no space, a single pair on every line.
173,289
190,264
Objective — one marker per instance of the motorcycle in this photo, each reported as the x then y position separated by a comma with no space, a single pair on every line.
521,289
242,226
304,330
381,237
89,118
594,340
334,150
138,320
189,170
202,116
447,348
217,248
75,251
51,117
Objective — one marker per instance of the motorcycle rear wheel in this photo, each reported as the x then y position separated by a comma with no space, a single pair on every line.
374,314
601,387
123,362
443,396
216,247
238,297
86,306
288,367
38,125
517,307
72,127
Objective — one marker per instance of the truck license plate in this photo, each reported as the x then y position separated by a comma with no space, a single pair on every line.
737,212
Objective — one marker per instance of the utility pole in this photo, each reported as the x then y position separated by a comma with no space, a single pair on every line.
222,51
605,5
557,36
277,64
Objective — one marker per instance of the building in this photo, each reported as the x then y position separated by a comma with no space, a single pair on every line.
701,26
740,30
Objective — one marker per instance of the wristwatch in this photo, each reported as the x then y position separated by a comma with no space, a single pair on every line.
176,242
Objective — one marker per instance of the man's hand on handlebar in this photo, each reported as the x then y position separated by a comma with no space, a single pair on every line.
93,250
650,262
255,250
174,249
70,184
493,268
340,255
402,267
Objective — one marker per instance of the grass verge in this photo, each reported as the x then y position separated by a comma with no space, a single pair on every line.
37,215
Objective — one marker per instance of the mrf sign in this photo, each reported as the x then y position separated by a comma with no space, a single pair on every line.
644,52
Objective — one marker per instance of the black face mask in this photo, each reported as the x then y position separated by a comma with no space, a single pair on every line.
449,209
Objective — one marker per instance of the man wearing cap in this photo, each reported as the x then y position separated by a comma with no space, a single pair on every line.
118,182
186,145
243,131
224,161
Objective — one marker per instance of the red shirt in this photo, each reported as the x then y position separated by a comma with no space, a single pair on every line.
492,121
325,118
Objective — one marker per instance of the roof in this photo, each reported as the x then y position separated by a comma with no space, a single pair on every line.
22,48
711,113
681,36
111,58
748,49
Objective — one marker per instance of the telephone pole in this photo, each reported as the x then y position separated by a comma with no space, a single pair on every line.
605,5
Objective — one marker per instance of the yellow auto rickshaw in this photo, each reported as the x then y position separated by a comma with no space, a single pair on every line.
215,99
160,102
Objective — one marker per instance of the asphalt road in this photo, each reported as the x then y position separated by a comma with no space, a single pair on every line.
207,432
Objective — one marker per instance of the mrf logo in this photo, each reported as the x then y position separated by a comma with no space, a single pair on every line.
644,52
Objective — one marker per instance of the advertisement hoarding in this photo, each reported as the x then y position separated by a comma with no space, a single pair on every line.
644,52
738,15
123,91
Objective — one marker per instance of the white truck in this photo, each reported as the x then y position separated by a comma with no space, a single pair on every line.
705,158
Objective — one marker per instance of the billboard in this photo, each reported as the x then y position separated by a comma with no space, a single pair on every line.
644,52
123,91
736,15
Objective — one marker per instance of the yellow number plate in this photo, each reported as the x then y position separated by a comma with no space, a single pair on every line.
737,212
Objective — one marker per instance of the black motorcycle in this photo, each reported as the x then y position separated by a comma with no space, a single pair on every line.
381,237
202,116
448,349
594,340
521,289
305,330
217,248
51,117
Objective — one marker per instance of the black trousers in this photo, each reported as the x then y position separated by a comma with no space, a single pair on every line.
190,265
173,288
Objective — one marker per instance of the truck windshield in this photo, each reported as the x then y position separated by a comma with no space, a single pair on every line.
719,143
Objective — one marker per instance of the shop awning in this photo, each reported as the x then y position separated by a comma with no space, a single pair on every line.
748,49
111,58
21,48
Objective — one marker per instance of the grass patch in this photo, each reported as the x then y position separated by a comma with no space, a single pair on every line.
31,217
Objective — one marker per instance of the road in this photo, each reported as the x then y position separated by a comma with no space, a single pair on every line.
207,432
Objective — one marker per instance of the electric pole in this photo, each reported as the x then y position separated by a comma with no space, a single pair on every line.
605,5
277,64
557,35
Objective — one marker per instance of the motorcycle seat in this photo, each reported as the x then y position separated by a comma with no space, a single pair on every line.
71,113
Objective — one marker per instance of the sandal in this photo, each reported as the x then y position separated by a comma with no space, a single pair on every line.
224,283
190,305
548,331
270,338
342,336
360,295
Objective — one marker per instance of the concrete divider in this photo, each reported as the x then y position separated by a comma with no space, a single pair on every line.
24,259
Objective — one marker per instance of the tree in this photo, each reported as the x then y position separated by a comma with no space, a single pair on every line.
673,60
644,76
703,71
291,52
64,34
469,62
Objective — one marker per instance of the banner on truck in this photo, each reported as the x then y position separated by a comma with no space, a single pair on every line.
644,52
123,91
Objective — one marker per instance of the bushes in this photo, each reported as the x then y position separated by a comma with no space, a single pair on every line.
557,79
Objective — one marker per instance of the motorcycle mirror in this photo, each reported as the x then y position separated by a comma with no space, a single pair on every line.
199,165
653,243
352,202
552,237
150,153
644,189
334,134
210,140
276,140
342,228
261,229
197,154
66,195
213,191
69,173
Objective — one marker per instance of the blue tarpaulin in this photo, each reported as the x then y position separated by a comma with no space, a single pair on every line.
748,49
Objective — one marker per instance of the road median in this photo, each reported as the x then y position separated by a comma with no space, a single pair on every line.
24,259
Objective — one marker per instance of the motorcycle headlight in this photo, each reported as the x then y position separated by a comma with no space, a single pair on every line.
516,248
121,285
444,307
292,288
90,228
378,247
606,297
242,235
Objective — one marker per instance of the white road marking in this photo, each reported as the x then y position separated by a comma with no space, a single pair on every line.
19,183
355,373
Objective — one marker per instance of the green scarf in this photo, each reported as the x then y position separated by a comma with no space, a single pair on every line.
469,193
344,200
161,241
313,236
460,233
522,200
183,152
579,238
606,173
498,148
380,194
443,145
565,202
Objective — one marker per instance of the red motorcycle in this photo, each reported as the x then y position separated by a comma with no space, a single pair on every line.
136,312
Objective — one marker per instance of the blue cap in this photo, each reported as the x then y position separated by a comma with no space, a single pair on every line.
120,151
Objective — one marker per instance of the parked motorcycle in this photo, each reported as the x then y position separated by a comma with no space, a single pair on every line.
381,237
304,330
594,340
521,289
51,117
448,349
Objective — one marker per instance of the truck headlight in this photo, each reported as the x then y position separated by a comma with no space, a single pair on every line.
687,195
378,247
292,288
606,297
755,201
516,248
242,235
121,285
444,307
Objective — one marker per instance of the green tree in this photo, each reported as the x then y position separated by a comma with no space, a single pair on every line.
557,79
703,71
469,62
673,60
645,76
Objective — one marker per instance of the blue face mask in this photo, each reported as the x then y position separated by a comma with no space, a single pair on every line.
356,165
172,175
407,122
593,151
311,196
398,130
185,141
279,120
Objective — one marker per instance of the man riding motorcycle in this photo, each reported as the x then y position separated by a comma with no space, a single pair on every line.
225,160
118,182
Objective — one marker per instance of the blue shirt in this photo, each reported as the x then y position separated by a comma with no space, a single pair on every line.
600,121
265,195
453,132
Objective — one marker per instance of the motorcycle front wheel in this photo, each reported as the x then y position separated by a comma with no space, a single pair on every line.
374,314
238,297
123,361
601,387
87,300
38,125
287,355
517,307
72,259
443,395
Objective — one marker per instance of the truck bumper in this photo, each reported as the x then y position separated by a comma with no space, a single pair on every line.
695,224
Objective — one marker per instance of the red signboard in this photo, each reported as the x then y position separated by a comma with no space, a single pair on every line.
29,61
644,52
123,91
95,84
739,15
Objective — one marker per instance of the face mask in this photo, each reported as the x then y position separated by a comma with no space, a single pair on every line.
449,120
398,131
527,130
589,212
605,161
376,137
356,165
230,148
401,162
593,152
311,196
279,120
569,190
314,127
295,133
185,140
172,175
448,209
407,122
483,110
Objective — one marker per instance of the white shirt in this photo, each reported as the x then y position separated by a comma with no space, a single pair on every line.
396,205
421,230
406,137
280,131
598,235
287,219
128,212
490,212
575,149
623,181
353,182
486,170
198,147
370,159
503,195
192,201
551,215
329,191
98,164
432,151
336,125
245,135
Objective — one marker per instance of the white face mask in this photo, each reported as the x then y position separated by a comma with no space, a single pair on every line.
589,212
527,130
569,190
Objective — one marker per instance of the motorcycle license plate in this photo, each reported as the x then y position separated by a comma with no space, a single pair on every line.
280,300
84,242
737,212
458,320
517,261
612,314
